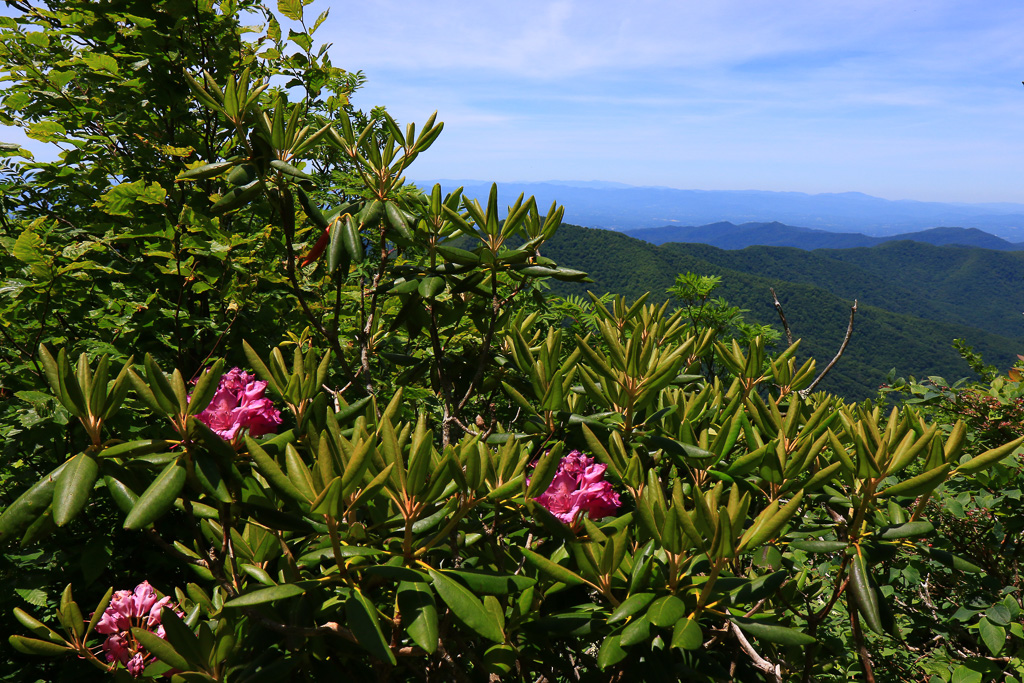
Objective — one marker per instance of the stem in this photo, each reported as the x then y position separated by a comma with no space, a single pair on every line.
862,650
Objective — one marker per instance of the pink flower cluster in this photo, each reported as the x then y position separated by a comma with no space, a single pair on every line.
240,403
579,487
140,608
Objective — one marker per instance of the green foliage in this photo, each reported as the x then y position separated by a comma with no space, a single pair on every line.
912,298
396,528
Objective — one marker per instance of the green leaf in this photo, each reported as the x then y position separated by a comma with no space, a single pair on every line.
773,633
120,199
920,528
27,508
767,528
916,486
687,635
206,387
159,647
46,131
263,595
998,614
158,497
965,674
291,9
100,62
204,171
269,468
992,635
552,569
466,607
950,560
419,614
33,646
362,620
210,477
666,611
288,169
864,592
182,638
611,652
544,472
28,248
636,631
74,485
98,612
819,546
989,457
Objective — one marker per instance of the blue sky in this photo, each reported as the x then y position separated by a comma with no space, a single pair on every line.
902,100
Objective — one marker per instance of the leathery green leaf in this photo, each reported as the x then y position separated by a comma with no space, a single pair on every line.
269,468
33,646
37,627
919,528
687,635
466,607
28,506
158,497
611,651
159,647
989,457
419,614
552,569
915,486
666,610
630,606
864,593
950,560
181,637
258,597
773,633
74,485
362,619
205,388
544,472
772,526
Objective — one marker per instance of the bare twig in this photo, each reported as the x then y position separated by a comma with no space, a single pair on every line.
839,354
782,317
773,670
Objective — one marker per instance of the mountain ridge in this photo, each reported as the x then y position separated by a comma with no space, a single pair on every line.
913,298
631,208
726,235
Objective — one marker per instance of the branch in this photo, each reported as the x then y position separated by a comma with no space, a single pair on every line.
839,354
773,670
782,317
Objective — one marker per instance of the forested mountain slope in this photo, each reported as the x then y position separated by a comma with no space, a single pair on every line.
913,299
726,235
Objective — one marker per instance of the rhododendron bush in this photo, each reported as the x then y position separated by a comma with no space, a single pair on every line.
329,424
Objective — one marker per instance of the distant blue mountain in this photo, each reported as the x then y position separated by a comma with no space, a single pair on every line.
725,235
617,207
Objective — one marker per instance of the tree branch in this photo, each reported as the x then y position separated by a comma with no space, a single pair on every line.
782,317
773,670
839,354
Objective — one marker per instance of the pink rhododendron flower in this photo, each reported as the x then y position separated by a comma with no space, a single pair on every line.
579,487
240,404
140,608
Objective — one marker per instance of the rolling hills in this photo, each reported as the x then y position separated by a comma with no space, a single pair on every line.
913,298
726,235
624,207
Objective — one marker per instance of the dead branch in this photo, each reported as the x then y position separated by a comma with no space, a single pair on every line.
782,317
839,354
773,670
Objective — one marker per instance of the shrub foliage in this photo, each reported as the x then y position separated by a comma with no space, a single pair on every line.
423,510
